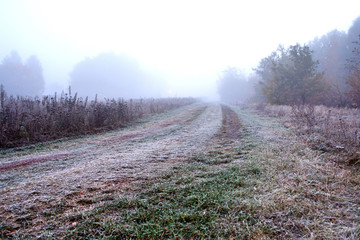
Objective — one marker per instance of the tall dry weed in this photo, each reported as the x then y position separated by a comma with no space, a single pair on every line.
25,120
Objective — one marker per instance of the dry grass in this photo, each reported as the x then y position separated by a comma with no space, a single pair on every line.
327,129
301,192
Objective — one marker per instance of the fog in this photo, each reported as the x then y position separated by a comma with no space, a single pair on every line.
158,48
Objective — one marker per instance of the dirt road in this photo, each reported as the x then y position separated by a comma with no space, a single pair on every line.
197,171
75,175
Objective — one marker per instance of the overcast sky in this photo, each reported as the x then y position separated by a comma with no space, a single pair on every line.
189,42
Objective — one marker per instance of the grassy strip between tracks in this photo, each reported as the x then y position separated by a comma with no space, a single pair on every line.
195,201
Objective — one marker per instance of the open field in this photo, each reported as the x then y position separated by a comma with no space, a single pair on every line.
200,171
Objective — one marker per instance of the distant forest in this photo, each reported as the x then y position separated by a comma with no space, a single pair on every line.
106,75
19,78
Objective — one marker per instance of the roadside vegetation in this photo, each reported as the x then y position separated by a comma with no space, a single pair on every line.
304,193
27,120
326,129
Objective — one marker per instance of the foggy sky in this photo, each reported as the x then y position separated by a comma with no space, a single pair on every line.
186,43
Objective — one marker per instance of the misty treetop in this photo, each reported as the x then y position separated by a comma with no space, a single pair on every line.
354,76
18,78
111,75
326,71
289,76
333,50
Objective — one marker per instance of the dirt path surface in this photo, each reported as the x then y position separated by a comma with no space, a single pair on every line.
75,175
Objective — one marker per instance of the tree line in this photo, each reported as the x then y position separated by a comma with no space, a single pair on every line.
21,78
107,75
324,71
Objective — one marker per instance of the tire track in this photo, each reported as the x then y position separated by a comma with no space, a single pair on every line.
231,126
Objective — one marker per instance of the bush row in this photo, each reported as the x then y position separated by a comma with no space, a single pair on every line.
25,120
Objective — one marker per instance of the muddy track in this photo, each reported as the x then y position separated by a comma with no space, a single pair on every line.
231,127
29,161
76,175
